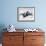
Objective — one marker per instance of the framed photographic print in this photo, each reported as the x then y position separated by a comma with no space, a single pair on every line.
26,14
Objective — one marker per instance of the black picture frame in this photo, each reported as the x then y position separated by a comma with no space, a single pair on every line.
26,14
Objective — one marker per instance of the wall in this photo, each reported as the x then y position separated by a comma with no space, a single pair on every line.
8,13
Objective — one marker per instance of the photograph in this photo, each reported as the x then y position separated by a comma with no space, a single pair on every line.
26,14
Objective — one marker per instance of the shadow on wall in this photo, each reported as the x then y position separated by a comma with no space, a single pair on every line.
2,26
